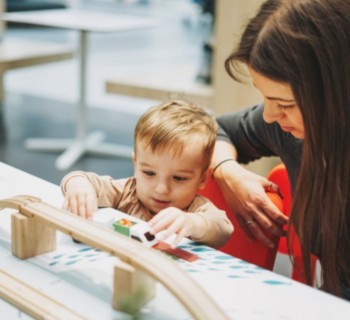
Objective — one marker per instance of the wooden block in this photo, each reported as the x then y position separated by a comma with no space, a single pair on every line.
132,288
30,237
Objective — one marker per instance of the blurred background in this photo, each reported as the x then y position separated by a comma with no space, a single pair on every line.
127,72
41,100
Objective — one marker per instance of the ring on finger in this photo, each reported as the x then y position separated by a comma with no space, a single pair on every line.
269,187
250,221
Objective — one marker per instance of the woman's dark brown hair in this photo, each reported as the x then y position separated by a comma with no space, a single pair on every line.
306,43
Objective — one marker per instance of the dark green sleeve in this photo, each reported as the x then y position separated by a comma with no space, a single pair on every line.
253,138
249,133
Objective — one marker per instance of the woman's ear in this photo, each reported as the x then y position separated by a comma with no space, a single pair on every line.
205,177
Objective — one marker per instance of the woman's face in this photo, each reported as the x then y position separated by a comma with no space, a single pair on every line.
279,104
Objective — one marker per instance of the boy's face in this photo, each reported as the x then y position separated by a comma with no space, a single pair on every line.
168,180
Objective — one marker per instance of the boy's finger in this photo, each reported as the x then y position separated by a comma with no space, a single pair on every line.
160,224
72,206
65,204
180,235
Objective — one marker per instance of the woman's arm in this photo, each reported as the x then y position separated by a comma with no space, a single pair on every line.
244,191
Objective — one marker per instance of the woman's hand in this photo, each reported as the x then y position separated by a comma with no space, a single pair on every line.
245,193
172,220
80,197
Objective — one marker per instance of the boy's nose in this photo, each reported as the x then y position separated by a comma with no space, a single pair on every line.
162,188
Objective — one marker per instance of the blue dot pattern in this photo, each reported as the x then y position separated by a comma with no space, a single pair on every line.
212,260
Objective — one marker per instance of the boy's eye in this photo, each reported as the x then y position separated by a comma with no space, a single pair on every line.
149,173
178,178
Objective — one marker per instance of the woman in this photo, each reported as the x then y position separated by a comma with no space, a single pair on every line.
298,56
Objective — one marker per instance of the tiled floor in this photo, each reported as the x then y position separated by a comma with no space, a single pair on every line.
41,101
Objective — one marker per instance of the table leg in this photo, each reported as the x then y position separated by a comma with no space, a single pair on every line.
74,149
83,117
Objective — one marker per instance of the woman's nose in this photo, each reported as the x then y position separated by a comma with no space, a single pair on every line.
271,112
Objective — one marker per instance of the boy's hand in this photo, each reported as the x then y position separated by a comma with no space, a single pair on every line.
80,198
172,220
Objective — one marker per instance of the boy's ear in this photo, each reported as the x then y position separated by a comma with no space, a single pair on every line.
205,177
133,157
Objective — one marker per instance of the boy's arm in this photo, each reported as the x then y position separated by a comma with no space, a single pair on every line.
202,223
79,195
218,226
175,221
106,191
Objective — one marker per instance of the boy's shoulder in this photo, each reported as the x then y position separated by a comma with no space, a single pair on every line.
125,183
201,204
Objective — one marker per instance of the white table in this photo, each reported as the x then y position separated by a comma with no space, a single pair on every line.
79,276
84,22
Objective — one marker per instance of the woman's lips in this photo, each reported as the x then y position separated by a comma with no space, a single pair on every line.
287,129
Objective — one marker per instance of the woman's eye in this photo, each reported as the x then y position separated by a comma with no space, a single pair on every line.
149,173
285,107
177,178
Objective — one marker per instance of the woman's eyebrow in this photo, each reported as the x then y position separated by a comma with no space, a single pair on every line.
275,98
280,99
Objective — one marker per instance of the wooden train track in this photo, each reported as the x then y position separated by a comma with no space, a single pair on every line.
32,301
34,232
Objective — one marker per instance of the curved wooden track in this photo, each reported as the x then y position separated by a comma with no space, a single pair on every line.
155,264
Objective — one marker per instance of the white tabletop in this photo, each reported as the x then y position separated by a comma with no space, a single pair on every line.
82,20
80,276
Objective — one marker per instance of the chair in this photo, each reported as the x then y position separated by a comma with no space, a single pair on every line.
279,176
254,252
239,245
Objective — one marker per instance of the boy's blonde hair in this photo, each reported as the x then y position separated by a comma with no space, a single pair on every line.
171,125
